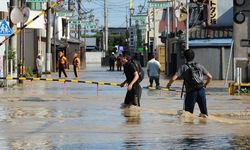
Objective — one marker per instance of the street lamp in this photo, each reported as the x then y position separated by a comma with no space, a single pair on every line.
96,21
91,17
131,12
140,7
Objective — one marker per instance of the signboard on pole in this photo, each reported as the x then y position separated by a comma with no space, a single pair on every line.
5,29
64,14
4,6
160,4
37,1
213,11
138,17
74,21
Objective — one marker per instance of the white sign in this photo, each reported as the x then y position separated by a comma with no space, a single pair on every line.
3,5
2,47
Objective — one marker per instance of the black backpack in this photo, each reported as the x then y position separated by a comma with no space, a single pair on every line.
139,70
195,76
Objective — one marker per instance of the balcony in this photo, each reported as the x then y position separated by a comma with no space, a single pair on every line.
210,33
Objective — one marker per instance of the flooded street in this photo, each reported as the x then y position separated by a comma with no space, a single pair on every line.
56,116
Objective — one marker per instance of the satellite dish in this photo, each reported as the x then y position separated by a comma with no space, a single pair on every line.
181,12
16,15
26,14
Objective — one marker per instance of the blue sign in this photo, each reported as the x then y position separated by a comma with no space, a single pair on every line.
5,28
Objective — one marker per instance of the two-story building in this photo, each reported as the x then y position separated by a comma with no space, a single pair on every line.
210,36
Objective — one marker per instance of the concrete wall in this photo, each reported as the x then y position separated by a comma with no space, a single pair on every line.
29,48
93,57
214,61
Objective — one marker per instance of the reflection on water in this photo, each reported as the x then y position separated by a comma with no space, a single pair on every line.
132,139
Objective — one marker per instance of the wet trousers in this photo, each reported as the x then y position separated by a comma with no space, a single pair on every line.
152,79
133,96
62,69
198,96
111,66
76,71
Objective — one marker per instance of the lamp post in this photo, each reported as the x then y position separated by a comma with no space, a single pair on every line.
131,12
140,8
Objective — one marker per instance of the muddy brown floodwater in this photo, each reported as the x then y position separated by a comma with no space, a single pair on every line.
55,116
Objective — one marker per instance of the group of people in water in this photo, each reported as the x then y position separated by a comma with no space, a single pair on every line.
192,73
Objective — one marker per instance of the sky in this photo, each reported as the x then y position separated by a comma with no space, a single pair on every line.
117,10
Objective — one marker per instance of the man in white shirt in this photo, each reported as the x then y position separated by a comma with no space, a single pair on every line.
153,69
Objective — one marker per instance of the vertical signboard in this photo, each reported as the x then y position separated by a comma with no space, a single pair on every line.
213,11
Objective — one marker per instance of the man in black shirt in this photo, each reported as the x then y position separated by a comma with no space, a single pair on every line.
134,89
112,62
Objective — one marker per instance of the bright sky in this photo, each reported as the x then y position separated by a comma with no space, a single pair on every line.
117,10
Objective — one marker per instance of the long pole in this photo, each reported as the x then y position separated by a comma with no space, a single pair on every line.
48,40
187,25
54,48
148,35
22,37
106,25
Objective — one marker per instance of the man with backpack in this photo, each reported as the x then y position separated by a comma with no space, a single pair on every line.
192,74
134,75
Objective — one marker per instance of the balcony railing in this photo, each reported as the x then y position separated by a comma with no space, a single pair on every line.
212,32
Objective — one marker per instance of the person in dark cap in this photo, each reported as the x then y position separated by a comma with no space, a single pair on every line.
112,60
192,74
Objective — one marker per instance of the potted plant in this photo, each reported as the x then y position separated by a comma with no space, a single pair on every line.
11,58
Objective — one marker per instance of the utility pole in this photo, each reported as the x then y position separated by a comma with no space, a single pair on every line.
22,38
79,18
48,39
13,40
105,27
187,26
55,38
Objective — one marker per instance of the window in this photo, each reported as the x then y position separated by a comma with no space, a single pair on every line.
35,6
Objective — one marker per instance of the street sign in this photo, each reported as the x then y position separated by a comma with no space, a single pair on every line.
64,14
142,27
5,29
37,1
74,21
139,17
89,27
245,42
160,4
140,49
